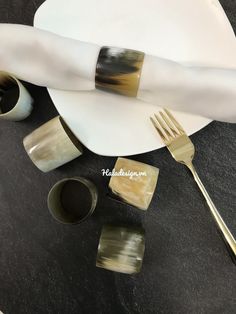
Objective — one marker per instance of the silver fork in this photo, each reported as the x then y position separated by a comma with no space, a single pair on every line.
182,149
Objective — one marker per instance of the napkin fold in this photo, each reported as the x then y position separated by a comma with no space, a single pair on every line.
46,59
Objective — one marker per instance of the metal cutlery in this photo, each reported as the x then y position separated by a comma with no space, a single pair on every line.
182,150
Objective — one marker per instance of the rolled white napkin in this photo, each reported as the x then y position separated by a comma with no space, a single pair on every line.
46,59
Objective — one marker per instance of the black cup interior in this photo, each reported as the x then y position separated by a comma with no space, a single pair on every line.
9,95
71,201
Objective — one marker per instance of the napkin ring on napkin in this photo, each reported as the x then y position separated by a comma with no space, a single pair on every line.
118,70
22,106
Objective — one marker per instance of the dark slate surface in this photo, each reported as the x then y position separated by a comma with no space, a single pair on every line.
46,267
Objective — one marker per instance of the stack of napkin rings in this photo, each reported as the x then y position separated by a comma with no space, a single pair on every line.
121,248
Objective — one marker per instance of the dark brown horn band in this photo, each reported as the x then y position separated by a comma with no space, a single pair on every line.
118,70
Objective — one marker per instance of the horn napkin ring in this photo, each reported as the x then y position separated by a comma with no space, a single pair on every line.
121,249
23,106
52,145
118,70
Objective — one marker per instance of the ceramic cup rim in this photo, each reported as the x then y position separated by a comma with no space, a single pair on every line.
93,192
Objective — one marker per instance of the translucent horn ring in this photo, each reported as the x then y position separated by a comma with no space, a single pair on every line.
52,145
121,249
118,70
22,106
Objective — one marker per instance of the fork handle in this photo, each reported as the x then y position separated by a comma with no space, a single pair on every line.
222,227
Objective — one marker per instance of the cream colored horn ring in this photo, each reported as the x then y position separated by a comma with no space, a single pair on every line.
23,106
52,145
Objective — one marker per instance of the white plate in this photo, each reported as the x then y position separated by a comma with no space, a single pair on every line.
192,31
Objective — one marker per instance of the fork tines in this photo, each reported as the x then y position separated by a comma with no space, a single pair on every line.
167,126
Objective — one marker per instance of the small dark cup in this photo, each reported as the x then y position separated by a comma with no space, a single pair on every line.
66,194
